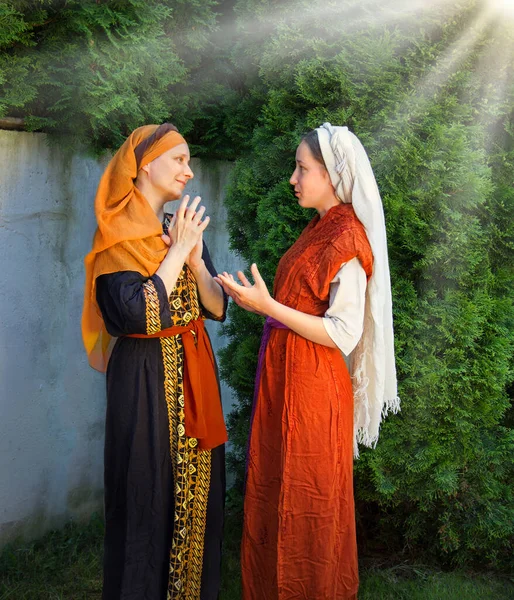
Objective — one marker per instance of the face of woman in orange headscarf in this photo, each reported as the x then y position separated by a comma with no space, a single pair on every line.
168,174
311,181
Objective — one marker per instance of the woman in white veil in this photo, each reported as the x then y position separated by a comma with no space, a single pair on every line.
331,301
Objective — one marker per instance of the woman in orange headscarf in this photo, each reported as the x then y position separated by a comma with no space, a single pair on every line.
331,300
149,286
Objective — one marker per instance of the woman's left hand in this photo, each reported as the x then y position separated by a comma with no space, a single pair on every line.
254,298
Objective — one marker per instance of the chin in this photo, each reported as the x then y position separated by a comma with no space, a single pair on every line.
174,195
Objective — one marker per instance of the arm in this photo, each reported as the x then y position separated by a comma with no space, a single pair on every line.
308,326
127,298
344,319
212,297
123,299
256,298
171,266
342,325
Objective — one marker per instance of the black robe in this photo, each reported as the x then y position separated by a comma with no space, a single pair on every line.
164,498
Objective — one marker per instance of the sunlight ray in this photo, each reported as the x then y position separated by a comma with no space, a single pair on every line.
420,96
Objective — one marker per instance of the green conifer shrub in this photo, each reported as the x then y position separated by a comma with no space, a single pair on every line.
98,69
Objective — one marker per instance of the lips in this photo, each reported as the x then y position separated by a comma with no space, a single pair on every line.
182,182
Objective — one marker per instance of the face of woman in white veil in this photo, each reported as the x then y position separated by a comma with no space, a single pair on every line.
311,181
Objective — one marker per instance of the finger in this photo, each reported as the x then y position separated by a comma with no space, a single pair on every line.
166,239
231,277
203,225
256,275
243,279
232,285
182,207
172,223
191,209
223,277
198,216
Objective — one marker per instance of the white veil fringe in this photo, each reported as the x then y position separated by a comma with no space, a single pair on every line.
372,362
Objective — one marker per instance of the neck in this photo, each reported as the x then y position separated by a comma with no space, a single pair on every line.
153,197
334,201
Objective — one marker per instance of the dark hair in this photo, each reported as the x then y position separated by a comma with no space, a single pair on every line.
160,132
312,140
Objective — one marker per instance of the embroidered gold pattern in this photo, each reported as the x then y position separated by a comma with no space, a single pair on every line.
192,467
153,317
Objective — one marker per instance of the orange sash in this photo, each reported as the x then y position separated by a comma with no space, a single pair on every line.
201,393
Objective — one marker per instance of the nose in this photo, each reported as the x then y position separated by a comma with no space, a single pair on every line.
294,179
188,172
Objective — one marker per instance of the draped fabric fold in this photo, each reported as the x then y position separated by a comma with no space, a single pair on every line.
373,367
128,236
269,324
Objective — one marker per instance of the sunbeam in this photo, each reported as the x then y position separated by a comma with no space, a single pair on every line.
446,65
503,7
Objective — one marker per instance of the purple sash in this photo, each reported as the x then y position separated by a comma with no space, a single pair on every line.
269,324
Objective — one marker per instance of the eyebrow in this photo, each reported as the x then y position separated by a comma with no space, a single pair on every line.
300,162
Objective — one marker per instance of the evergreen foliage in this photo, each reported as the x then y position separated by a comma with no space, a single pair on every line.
437,123
98,69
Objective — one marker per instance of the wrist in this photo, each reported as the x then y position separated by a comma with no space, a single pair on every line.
269,308
178,251
196,266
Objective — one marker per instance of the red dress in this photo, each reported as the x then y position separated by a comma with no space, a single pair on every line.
299,526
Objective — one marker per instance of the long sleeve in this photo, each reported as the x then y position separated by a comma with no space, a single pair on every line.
344,319
210,267
123,298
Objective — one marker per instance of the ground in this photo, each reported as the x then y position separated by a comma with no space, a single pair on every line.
67,564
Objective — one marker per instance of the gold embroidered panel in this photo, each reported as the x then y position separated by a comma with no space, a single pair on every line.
192,467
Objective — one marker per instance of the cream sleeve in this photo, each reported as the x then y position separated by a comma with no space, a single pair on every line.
344,319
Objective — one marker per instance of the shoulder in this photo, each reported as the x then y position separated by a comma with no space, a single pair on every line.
350,237
346,225
344,217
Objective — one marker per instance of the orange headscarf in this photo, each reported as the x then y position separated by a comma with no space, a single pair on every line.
128,237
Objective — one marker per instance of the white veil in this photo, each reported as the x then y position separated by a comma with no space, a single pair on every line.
372,363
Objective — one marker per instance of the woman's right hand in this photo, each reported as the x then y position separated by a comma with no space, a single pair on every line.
187,226
228,283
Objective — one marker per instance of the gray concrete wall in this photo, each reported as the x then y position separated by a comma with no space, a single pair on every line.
52,403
